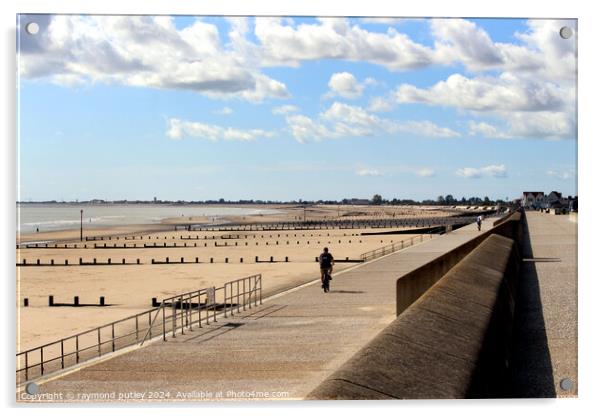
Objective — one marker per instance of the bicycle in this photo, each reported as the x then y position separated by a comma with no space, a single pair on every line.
326,282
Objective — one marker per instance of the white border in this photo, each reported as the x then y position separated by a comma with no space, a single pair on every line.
589,172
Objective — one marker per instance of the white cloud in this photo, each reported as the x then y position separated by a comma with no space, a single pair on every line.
224,111
486,130
527,108
498,171
178,129
368,172
506,93
425,173
351,114
381,104
283,43
285,109
343,120
345,85
425,128
304,129
539,49
538,125
564,175
143,51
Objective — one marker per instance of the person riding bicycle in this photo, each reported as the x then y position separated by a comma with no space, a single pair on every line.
326,262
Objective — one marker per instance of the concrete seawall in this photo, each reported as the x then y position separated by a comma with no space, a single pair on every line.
412,285
453,342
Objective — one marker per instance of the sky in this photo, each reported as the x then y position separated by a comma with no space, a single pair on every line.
281,108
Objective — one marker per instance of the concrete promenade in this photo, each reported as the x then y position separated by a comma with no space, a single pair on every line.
284,347
545,350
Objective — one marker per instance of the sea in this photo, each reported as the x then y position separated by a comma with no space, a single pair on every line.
53,217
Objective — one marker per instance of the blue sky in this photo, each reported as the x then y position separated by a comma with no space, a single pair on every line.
286,108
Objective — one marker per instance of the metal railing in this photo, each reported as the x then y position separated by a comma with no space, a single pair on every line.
391,248
185,310
177,313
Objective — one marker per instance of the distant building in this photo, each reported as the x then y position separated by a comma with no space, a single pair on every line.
573,204
533,200
155,200
555,200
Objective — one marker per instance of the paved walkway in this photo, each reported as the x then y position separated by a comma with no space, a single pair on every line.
546,316
285,347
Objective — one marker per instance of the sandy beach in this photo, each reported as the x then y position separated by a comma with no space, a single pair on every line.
128,289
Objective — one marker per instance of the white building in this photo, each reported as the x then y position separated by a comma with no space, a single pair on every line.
533,200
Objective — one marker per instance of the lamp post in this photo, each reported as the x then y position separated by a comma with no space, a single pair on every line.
81,225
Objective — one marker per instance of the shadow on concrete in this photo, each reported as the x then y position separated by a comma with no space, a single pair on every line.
213,332
531,373
262,313
543,260
346,291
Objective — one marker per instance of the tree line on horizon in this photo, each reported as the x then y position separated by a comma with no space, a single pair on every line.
377,199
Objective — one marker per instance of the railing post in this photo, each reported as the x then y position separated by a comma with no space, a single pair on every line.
190,312
26,367
225,299
163,310
42,360
62,354
150,326
173,318
237,297
136,329
182,313
215,309
199,307
244,292
97,338
113,337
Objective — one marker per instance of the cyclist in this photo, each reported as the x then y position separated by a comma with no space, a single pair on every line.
326,262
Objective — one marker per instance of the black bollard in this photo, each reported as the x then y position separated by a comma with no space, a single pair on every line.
75,300
25,302
102,301
50,300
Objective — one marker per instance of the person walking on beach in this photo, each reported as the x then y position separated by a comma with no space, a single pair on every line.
326,262
479,221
